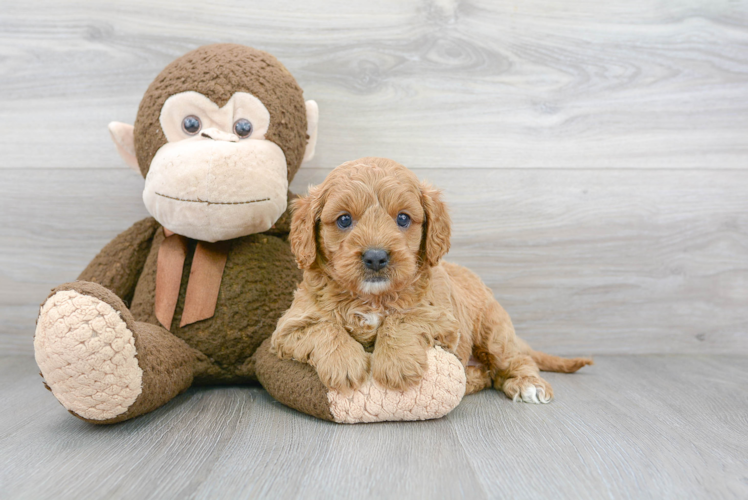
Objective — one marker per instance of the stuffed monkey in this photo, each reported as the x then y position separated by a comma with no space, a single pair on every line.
190,295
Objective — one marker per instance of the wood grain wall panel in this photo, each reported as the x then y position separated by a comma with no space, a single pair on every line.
437,84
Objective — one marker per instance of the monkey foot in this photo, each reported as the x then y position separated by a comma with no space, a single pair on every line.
440,391
86,353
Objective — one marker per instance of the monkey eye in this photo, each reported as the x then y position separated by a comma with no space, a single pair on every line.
403,220
344,221
191,124
242,127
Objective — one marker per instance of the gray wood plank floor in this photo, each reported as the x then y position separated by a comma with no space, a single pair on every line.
629,427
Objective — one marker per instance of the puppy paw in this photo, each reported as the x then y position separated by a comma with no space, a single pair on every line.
344,368
528,390
398,372
283,349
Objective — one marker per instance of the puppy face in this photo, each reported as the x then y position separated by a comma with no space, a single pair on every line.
370,226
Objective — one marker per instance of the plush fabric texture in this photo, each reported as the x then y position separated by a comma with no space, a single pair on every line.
218,71
108,367
294,384
217,190
168,365
257,287
440,391
124,140
118,265
86,354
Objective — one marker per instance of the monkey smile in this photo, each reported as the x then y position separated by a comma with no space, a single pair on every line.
213,202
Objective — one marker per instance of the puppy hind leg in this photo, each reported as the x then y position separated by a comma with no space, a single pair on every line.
521,381
478,378
513,371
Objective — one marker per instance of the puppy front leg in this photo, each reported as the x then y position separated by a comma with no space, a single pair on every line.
340,361
399,359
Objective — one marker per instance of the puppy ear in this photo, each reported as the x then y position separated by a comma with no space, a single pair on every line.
437,227
302,236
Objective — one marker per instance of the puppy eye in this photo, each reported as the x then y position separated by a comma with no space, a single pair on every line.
344,221
242,128
403,220
191,124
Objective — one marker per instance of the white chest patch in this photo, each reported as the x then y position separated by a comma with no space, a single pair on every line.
371,319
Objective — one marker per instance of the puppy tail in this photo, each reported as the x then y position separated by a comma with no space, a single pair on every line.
551,363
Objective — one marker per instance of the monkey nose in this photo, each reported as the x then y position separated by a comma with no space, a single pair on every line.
375,259
218,135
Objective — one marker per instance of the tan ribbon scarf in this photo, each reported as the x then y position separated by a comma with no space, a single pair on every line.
203,284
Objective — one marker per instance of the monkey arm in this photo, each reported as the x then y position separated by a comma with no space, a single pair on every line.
119,264
298,386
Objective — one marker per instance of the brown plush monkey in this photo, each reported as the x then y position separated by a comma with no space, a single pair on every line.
219,135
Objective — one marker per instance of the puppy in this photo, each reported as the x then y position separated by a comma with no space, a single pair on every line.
376,295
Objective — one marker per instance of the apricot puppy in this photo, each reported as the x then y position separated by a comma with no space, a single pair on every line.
376,295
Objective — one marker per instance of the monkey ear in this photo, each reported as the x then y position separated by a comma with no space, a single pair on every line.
124,139
312,119
438,225
302,237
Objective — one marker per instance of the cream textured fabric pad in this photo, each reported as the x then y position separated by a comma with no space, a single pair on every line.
441,390
87,355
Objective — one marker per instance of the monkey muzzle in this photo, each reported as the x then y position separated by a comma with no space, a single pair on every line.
212,189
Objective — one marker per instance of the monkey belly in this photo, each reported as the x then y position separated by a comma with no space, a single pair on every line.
256,289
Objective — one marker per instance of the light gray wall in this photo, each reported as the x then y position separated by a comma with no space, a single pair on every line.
595,156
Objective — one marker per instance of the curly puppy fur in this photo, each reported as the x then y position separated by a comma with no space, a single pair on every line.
348,320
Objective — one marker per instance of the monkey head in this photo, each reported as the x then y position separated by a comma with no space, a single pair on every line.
218,137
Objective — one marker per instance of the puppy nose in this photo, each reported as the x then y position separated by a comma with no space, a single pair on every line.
375,259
